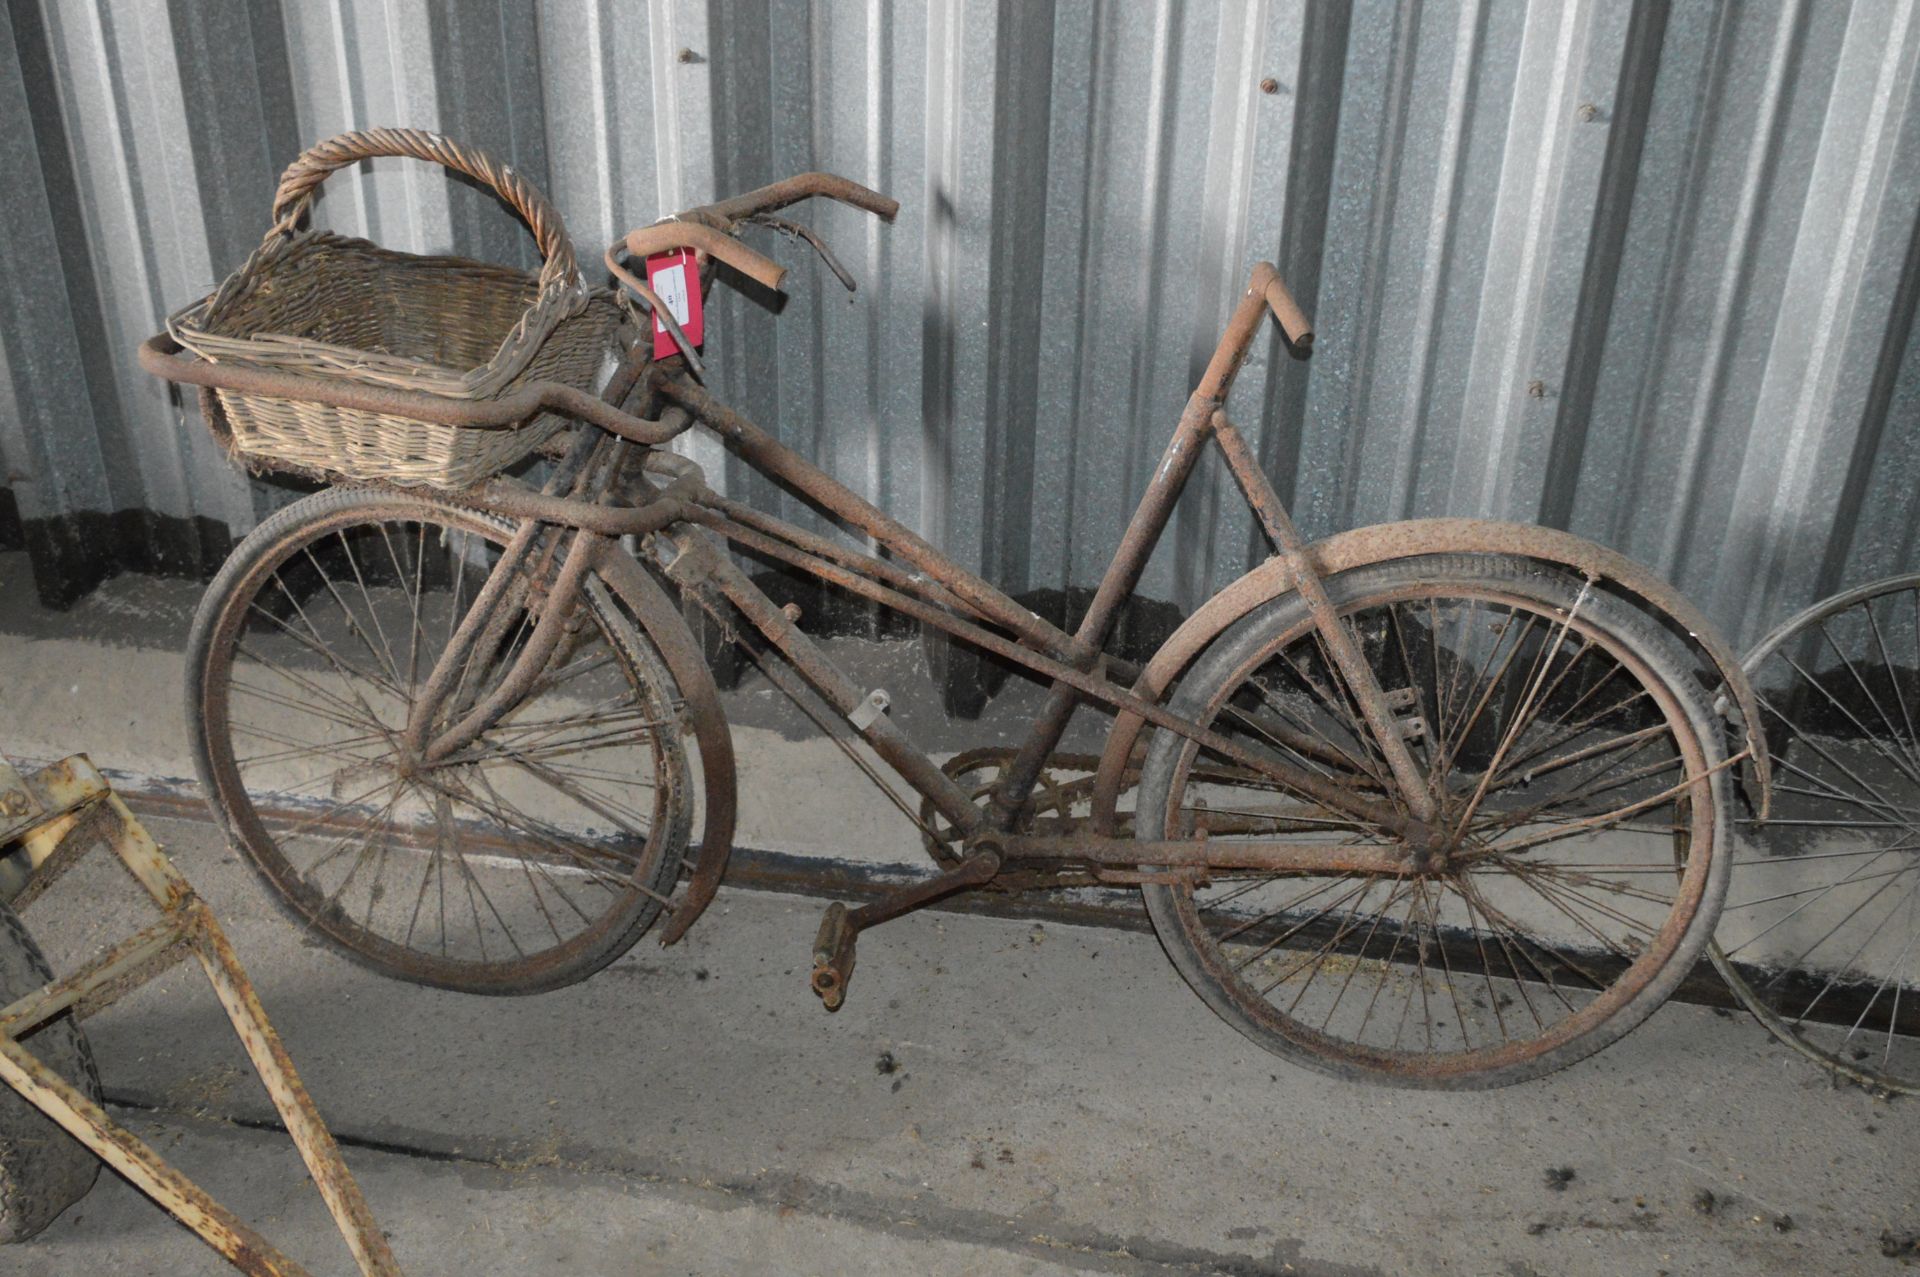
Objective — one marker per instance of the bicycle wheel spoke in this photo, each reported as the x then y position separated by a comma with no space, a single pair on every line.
1821,889
608,731
346,715
328,813
1442,691
412,596
586,861
1585,788
1899,964
1347,705
1520,719
1905,743
1848,963
1275,736
629,820
1397,623
1874,797
1579,727
1451,747
1348,922
1337,711
1559,955
529,863
420,897
344,708
1885,880
296,748
1815,894
1353,968
1304,923
1420,958
1486,963
1386,966
1509,938
1585,754
355,626
360,857
339,845
1569,888
312,640
1282,910
1865,732
1587,825
376,892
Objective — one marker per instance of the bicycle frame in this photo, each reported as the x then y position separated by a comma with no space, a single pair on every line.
947,596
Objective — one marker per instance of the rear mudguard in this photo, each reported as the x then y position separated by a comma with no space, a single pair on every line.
660,617
1364,547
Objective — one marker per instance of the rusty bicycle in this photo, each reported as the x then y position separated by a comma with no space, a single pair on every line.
1440,803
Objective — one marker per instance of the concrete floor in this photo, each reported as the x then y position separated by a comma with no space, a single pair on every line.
997,1097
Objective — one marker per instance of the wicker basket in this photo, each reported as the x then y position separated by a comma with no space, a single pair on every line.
332,307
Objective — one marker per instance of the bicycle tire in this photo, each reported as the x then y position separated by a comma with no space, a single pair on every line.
1606,984
475,826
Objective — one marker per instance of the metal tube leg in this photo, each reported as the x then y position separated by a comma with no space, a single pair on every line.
310,1135
127,1153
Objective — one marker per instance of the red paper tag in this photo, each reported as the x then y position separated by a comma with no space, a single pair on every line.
675,279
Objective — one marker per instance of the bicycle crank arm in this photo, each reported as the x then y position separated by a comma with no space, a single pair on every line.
841,927
1204,853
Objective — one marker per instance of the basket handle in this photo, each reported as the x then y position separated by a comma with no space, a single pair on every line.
304,175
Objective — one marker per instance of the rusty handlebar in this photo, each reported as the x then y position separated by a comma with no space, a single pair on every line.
677,233
796,188
709,227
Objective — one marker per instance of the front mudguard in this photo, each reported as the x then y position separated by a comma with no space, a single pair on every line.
1364,547
661,618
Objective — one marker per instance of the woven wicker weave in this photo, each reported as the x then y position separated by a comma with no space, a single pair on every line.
329,306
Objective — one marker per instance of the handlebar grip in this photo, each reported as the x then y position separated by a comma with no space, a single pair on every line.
1293,320
847,191
661,236
802,186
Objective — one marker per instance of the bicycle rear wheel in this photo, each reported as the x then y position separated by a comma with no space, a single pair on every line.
525,860
1820,936
1574,762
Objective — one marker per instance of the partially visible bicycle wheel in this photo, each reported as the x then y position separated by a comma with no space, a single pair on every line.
1820,935
524,861
43,1170
1577,771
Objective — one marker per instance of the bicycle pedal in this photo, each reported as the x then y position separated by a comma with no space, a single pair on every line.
833,957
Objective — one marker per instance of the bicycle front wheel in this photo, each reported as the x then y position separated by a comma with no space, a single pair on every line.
525,860
1573,762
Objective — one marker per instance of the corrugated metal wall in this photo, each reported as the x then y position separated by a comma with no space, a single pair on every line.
1647,271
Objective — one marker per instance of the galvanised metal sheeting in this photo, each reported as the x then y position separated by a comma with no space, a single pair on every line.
1643,271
